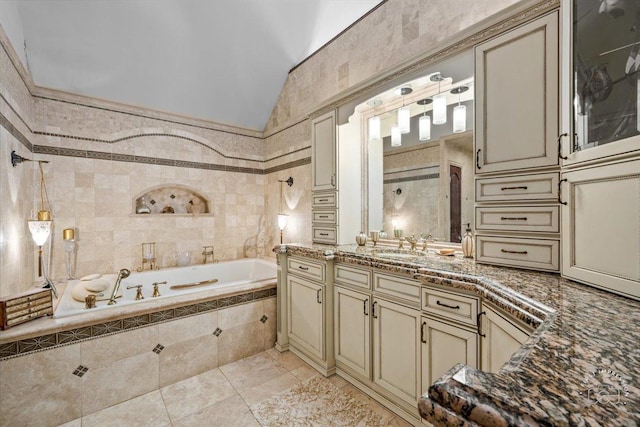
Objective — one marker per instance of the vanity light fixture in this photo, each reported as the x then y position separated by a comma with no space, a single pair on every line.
439,102
396,136
374,128
282,217
404,114
459,111
374,122
424,123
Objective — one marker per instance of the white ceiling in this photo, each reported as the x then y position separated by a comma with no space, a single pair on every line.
221,60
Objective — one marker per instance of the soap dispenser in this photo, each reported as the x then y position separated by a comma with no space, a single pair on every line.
467,243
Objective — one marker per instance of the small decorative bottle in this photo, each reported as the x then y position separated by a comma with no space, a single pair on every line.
467,243
142,207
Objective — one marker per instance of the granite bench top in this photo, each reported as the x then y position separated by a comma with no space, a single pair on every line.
580,367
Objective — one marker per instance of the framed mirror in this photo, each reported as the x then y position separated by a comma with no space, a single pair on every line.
417,140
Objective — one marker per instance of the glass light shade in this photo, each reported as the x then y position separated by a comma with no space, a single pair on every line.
396,137
459,118
374,128
40,231
424,128
404,120
440,109
282,221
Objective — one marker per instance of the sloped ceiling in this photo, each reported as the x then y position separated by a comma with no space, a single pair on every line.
220,60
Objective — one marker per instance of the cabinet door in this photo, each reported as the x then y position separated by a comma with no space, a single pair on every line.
501,339
305,315
517,98
396,352
352,330
323,152
443,346
601,225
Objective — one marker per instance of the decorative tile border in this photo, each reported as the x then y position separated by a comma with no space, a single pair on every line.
412,178
84,333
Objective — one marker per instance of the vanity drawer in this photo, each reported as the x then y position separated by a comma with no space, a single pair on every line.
524,218
541,254
325,234
324,217
305,268
522,187
461,308
323,200
397,286
353,276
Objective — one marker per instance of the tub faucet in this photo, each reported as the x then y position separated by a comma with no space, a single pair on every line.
207,251
123,274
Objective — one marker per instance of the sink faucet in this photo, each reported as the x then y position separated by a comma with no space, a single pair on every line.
412,241
123,274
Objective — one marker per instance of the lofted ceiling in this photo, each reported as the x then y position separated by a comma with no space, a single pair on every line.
220,60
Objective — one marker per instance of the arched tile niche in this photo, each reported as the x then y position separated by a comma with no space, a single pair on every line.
172,199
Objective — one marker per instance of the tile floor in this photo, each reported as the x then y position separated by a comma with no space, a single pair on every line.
224,396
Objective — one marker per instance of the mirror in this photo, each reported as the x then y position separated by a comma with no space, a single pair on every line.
415,185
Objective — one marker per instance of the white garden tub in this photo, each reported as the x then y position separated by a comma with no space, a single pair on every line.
227,275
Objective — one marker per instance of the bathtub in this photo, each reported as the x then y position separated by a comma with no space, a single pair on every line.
223,276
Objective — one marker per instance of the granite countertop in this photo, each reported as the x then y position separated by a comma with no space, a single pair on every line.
580,367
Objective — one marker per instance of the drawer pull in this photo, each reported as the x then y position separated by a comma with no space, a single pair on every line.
323,200
366,303
324,234
521,187
323,216
504,251
480,323
318,296
303,268
513,218
422,333
457,307
373,310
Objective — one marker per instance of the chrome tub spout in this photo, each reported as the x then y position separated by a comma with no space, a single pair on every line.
123,274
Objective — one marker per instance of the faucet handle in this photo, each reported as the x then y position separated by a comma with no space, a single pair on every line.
156,291
138,289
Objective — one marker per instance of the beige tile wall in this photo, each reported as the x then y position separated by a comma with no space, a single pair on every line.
40,388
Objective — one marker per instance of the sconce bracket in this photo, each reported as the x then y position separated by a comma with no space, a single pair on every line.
288,181
398,191
17,158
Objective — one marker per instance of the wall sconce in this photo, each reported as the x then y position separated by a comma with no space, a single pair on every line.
282,217
439,102
424,124
459,111
40,228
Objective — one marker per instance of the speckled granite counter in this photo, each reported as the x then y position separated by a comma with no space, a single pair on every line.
581,366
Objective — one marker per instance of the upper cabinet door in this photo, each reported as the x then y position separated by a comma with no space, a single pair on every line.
517,98
601,80
323,151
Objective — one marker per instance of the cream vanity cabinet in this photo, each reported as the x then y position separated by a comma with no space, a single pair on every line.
335,182
377,328
309,308
447,332
600,190
500,337
517,215
602,226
